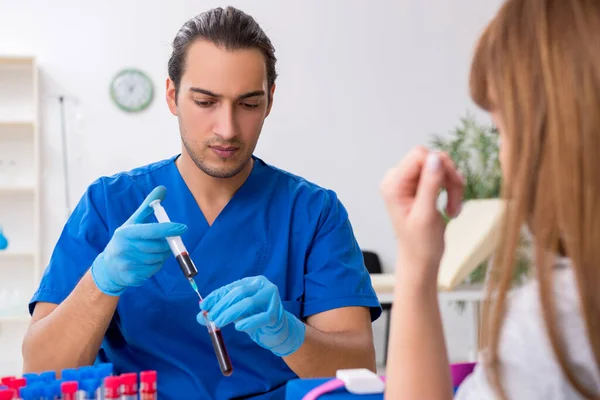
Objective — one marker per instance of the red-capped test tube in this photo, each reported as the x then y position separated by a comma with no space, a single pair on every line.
5,380
148,385
112,388
129,389
17,384
68,390
6,394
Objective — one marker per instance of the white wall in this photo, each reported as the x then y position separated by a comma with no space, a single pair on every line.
361,82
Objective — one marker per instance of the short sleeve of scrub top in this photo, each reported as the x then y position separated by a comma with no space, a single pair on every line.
335,272
84,236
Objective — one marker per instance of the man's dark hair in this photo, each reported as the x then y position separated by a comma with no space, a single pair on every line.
230,28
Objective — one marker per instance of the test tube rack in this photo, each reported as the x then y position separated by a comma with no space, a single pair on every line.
96,382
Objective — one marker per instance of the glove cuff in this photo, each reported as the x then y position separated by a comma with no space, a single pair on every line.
295,338
104,284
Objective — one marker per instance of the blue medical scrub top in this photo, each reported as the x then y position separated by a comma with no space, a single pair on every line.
295,233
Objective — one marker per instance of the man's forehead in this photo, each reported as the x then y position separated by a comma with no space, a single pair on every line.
229,72
208,56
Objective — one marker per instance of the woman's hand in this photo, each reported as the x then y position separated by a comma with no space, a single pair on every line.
417,358
410,191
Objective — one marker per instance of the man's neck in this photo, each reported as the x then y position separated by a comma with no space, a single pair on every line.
211,194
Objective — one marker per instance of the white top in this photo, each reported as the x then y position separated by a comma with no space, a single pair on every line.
529,367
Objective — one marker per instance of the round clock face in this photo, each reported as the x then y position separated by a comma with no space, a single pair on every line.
132,90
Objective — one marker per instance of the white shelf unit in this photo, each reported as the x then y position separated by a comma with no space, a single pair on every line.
20,263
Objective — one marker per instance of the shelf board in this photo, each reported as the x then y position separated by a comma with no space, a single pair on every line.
16,254
18,60
24,318
17,189
17,123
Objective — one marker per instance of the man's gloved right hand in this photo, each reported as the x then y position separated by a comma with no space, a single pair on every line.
136,251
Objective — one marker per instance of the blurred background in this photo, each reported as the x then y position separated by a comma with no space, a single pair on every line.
360,83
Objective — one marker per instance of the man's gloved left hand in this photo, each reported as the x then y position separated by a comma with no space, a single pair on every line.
254,306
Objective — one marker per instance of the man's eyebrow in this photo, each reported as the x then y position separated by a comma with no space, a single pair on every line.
204,91
253,93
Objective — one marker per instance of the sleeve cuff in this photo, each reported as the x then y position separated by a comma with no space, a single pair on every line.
46,296
318,306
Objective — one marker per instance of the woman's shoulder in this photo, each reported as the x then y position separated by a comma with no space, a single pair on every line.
530,368
525,313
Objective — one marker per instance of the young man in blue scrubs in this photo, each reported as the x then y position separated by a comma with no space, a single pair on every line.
280,268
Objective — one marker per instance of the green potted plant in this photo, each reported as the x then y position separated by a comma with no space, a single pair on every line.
475,149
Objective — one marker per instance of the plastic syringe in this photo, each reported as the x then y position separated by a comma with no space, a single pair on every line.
179,251
189,270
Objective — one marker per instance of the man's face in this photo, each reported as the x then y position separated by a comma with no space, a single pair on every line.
221,106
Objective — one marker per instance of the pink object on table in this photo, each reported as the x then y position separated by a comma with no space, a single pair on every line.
460,371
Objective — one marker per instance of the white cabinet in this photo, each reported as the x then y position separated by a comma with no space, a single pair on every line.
19,197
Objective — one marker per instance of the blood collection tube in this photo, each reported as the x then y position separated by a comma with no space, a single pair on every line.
5,380
69,390
190,270
70,374
87,372
31,378
7,383
87,389
33,392
102,371
18,383
47,376
49,393
216,337
148,385
129,386
112,388
55,389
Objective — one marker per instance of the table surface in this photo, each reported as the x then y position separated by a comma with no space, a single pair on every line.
384,287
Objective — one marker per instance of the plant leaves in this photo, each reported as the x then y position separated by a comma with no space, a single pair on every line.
475,149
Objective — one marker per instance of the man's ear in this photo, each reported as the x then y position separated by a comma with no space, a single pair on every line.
171,96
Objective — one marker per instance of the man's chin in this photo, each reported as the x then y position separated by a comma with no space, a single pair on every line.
223,169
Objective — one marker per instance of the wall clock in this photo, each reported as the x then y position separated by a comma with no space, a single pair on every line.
131,90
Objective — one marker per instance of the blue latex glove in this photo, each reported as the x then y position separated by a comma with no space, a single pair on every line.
254,306
136,251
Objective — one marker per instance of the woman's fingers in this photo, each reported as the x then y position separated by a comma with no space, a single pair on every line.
454,184
453,175
419,177
401,182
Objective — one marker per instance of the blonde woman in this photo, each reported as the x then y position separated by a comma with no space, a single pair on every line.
537,71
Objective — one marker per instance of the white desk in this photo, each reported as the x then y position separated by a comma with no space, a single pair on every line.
384,288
